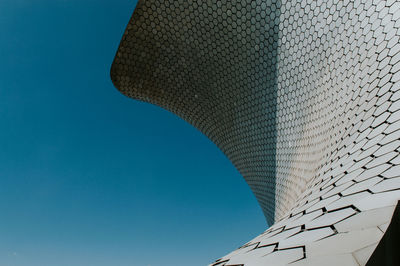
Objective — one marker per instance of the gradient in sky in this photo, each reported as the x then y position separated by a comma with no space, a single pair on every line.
91,177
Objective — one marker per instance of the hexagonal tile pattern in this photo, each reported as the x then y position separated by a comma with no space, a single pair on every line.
302,96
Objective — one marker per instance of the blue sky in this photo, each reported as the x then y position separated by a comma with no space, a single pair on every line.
91,177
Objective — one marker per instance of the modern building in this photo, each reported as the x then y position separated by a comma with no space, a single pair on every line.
302,96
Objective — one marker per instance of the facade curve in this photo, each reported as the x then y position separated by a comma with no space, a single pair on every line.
302,96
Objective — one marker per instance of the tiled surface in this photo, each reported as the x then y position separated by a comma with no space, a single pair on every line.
363,254
302,96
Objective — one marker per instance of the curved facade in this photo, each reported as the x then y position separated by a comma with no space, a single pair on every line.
302,96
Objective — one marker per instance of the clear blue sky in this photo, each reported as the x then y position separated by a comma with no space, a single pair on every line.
89,177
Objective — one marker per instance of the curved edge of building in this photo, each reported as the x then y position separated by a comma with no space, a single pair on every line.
302,97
